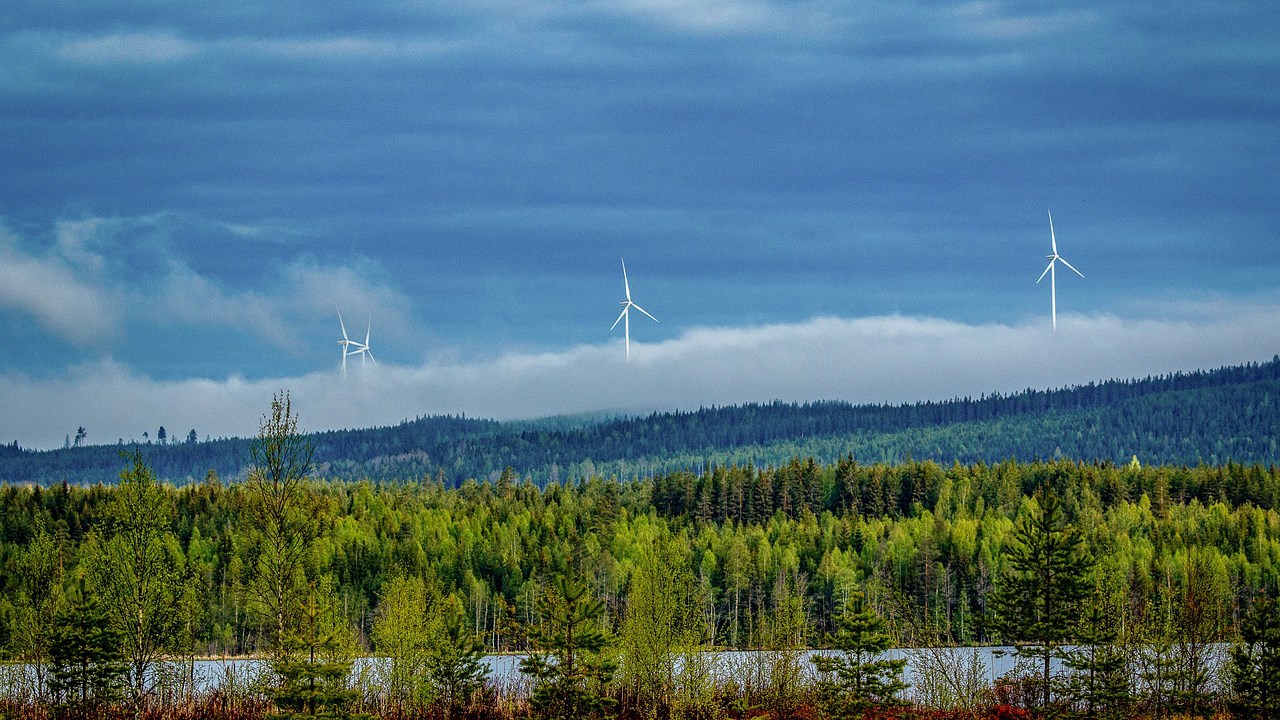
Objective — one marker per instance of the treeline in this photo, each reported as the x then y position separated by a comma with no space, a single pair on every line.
1212,418
109,592
930,535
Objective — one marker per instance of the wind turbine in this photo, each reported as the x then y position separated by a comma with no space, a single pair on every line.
625,316
361,349
1053,281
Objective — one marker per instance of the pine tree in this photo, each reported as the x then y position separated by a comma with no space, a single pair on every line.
861,679
569,670
456,665
1100,682
1039,600
313,676
1254,668
85,664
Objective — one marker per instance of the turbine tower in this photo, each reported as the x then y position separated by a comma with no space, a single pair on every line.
1053,281
625,316
353,347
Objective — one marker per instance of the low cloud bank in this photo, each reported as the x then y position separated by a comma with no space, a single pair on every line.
889,359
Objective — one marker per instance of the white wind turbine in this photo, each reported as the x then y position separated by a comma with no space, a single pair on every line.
353,347
1053,281
625,316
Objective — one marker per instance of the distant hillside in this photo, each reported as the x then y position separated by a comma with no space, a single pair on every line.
1203,417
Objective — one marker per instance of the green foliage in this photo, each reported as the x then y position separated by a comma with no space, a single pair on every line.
140,575
1212,417
1100,674
571,669
660,622
314,670
857,678
85,664
283,524
1046,583
456,665
1254,668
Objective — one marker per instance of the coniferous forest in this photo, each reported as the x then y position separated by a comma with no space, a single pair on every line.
1122,588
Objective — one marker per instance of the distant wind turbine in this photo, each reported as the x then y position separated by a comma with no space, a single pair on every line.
353,347
1053,282
625,316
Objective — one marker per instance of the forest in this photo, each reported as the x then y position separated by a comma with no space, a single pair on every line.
1212,417
1124,589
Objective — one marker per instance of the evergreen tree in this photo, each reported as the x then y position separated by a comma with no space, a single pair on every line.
1100,679
1040,597
569,669
456,665
85,664
857,678
1254,668
313,674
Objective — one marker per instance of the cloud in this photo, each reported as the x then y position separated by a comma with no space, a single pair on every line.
112,284
868,359
49,289
139,48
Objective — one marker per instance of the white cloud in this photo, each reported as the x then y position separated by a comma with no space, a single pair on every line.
141,48
50,290
871,359
88,285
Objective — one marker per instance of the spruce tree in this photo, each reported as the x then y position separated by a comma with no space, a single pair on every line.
1254,668
857,678
1044,587
569,670
86,667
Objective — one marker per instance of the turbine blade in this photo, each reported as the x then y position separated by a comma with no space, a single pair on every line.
625,283
1046,272
646,312
367,329
1052,239
615,322
344,326
1064,262
371,357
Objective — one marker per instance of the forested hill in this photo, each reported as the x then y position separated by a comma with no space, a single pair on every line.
1203,417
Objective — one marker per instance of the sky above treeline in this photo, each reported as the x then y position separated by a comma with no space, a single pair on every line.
818,200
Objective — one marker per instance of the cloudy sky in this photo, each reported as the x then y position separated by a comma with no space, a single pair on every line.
817,199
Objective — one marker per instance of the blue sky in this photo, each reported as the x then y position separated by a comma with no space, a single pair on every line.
191,191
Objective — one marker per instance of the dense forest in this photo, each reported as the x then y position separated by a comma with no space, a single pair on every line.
1169,559
1211,417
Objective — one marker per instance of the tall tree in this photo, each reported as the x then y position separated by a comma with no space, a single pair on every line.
37,603
659,623
857,678
140,575
281,460
1041,594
